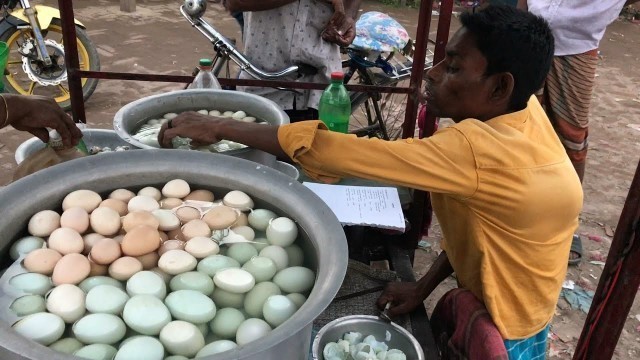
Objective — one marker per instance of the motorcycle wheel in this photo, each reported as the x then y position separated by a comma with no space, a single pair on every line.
18,82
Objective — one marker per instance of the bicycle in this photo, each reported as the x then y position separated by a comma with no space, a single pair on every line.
373,114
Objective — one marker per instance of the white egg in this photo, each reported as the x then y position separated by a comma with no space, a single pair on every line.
278,309
106,299
255,299
151,192
43,223
143,203
234,280
245,231
282,231
277,254
146,314
99,329
66,241
201,247
295,279
216,347
259,218
43,328
86,199
175,262
176,188
238,200
167,219
66,301
226,322
251,330
181,338
123,195
25,245
147,283
105,221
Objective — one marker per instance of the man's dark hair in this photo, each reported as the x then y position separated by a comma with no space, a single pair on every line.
516,42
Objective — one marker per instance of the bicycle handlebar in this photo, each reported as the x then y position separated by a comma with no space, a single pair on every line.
222,45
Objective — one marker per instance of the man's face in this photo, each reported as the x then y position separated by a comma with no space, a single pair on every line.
456,87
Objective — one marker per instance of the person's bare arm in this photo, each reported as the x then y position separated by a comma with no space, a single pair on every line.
252,5
522,5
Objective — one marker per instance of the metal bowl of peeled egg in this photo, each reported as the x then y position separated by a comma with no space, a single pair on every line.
145,255
364,337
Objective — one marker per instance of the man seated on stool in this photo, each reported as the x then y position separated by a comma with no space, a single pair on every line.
502,186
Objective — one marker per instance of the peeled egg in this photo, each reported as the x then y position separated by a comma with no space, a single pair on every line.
140,347
90,240
66,301
196,228
89,283
42,261
216,347
251,330
262,268
186,214
171,245
224,298
25,245
124,268
67,345
71,269
242,252
295,255
147,283
43,328
43,223
201,247
295,279
176,262
149,261
192,280
137,218
214,113
151,192
282,231
234,280
140,240
143,203
119,206
238,115
278,309
220,217
167,219
27,305
146,314
277,254
86,199
107,299
227,113
200,195
297,299
170,116
31,283
75,218
238,200
181,338
105,251
176,188
255,299
259,218
170,203
97,352
66,241
105,221
191,306
248,119
214,263
123,195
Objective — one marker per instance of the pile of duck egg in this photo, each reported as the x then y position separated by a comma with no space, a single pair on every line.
148,132
166,273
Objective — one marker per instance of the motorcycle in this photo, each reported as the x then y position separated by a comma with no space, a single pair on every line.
36,64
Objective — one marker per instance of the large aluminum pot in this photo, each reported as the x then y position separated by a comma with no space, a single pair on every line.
130,117
323,239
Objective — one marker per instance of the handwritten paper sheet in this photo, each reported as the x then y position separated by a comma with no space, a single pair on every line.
362,205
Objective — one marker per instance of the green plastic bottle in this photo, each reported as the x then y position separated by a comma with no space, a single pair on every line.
335,105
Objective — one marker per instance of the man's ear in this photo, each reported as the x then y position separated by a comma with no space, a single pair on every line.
503,84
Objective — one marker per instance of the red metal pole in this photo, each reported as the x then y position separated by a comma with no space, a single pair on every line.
71,60
618,284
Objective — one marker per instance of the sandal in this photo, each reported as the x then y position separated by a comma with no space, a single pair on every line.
576,248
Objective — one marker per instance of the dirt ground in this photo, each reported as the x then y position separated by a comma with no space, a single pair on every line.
156,39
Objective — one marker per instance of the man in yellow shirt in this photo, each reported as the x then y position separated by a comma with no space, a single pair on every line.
503,188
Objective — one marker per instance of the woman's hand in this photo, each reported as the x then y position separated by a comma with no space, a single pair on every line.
36,113
201,129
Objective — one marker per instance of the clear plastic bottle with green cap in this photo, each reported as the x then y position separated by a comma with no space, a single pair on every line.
205,78
335,105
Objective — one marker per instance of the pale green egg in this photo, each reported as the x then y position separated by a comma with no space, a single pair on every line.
282,231
212,264
242,252
226,322
191,306
106,299
256,298
146,314
147,283
260,243
277,254
32,283
99,329
27,305
204,328
176,357
259,218
278,309
166,277
192,280
262,268
43,328
295,279
89,283
97,352
295,254
297,299
67,345
140,347
251,330
224,298
216,347
25,245
181,338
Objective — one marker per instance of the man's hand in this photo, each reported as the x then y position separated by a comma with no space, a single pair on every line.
201,129
340,30
36,113
403,296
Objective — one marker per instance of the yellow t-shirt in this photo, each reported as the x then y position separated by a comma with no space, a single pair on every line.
504,191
